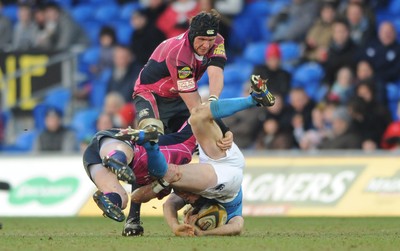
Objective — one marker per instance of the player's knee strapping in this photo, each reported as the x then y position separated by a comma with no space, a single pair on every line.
118,155
152,122
157,164
226,107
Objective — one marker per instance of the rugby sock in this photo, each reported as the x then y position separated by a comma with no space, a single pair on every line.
156,162
134,210
118,155
114,198
226,107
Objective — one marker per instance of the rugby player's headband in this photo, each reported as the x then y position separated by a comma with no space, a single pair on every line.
203,24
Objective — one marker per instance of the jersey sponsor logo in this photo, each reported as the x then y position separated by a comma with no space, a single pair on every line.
220,50
184,72
186,84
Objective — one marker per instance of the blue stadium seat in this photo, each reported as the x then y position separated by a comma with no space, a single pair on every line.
241,32
277,6
291,52
57,98
231,92
127,9
24,143
235,75
254,53
92,29
123,31
307,74
99,89
256,9
394,7
84,123
10,11
106,13
82,13
89,57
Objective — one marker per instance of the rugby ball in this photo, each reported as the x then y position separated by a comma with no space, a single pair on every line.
211,216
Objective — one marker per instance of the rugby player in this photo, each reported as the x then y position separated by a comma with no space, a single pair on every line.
166,89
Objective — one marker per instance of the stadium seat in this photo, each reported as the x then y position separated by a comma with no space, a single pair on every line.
106,13
277,6
127,9
92,29
89,57
291,52
10,11
394,7
84,123
256,9
82,13
254,53
235,75
24,143
307,73
57,98
123,31
241,32
99,89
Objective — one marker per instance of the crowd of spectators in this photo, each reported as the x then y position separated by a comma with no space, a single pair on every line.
358,53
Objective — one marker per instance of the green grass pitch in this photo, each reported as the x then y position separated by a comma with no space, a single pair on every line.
263,233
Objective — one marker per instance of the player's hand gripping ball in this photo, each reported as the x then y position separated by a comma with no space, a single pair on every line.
210,216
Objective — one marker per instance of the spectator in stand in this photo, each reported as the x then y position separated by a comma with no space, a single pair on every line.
365,73
5,31
55,137
278,78
383,53
299,112
107,41
275,134
119,110
370,118
341,51
246,124
40,21
153,9
25,31
104,122
175,19
125,71
367,6
319,36
343,136
293,22
145,38
343,87
361,30
312,138
61,31
113,103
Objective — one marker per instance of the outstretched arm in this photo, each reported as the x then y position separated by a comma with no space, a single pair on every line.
216,80
171,208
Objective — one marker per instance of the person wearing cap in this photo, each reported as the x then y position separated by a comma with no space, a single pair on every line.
278,78
166,89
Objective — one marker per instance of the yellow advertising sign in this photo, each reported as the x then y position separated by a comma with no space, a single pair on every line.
311,186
